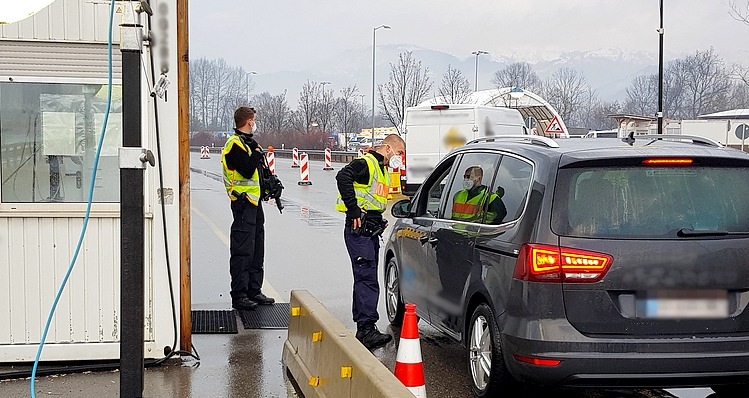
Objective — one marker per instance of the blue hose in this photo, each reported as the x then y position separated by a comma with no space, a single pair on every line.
88,204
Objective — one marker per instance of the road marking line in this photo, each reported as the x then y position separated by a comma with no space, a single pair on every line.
269,290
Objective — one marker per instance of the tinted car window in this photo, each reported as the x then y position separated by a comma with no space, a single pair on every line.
471,187
512,183
650,202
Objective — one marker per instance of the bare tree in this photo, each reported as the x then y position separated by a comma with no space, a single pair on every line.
347,112
737,12
306,112
216,89
566,91
325,109
455,88
408,85
642,95
518,74
273,113
706,82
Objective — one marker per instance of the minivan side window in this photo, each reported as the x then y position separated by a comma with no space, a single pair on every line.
512,184
470,192
429,199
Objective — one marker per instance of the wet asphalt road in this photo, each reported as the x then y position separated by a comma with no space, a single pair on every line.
304,250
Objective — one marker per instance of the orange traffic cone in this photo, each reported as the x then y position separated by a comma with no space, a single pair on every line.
408,366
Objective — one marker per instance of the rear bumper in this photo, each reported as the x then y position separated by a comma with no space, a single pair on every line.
668,362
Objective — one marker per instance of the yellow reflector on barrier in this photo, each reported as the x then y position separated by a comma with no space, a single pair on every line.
314,381
346,372
316,336
296,311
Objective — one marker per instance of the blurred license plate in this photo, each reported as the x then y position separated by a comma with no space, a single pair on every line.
686,304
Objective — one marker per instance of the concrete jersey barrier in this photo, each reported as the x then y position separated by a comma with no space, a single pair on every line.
326,359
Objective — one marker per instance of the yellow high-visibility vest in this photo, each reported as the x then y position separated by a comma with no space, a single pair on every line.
374,194
470,209
235,181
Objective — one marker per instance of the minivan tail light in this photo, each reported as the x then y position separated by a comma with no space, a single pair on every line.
537,361
547,263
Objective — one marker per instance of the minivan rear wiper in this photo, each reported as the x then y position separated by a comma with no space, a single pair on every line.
684,232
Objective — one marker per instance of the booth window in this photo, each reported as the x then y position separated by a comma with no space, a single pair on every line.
48,138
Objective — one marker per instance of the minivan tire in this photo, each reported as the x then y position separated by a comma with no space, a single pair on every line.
393,302
484,350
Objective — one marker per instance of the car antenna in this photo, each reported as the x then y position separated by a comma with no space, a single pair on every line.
630,139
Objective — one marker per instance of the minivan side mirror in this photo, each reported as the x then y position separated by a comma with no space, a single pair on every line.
401,208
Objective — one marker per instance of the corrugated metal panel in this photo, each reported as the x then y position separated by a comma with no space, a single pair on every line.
34,255
55,60
68,20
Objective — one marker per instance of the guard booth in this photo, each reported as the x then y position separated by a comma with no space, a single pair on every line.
53,95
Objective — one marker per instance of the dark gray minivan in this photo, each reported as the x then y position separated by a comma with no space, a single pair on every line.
606,262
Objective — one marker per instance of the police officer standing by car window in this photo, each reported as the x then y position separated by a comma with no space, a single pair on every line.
241,158
363,187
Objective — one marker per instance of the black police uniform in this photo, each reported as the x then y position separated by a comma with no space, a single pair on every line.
363,252
247,241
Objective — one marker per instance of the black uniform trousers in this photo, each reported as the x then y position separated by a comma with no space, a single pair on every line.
363,252
247,248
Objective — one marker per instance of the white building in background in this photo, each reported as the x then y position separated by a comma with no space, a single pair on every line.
53,90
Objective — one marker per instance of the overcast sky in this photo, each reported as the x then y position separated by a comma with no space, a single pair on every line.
276,35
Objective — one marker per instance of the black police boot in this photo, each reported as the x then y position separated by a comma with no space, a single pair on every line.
370,337
243,303
262,299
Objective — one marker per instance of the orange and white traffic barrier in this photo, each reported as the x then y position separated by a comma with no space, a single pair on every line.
304,170
205,152
271,158
409,368
328,160
294,157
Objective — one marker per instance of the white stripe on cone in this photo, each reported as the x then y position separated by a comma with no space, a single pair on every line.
419,392
409,351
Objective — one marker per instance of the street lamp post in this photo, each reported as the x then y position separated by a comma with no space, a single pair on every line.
659,115
325,104
374,38
476,79
247,76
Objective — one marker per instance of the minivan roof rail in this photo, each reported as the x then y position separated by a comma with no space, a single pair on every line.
534,139
695,139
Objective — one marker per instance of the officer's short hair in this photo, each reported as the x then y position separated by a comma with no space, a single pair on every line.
242,115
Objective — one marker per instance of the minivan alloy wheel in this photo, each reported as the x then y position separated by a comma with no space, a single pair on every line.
393,303
480,352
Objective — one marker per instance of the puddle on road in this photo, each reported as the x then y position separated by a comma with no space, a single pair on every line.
312,217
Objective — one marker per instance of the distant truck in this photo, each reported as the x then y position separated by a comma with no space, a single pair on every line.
431,131
717,130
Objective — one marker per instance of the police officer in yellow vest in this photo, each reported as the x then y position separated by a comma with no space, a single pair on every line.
363,187
241,158
468,203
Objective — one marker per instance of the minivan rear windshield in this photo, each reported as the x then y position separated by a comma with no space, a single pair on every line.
651,202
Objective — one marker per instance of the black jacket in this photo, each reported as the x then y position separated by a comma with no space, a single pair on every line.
241,161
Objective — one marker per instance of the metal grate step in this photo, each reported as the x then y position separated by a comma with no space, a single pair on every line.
214,321
274,316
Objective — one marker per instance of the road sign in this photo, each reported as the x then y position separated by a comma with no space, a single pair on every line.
554,126
742,131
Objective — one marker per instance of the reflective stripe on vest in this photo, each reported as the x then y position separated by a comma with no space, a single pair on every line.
373,195
234,181
468,209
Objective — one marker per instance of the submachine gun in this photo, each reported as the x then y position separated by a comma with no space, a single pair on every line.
270,184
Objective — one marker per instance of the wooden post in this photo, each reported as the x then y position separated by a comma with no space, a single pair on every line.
183,126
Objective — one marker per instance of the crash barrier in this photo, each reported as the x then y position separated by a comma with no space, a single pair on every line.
304,170
327,160
271,158
205,152
314,154
409,368
295,157
327,360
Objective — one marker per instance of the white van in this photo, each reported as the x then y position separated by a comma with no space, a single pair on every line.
431,131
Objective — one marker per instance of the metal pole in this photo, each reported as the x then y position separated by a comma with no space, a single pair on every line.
132,220
660,72
374,40
476,73
374,37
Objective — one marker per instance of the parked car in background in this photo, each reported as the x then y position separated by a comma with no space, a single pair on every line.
582,263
